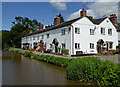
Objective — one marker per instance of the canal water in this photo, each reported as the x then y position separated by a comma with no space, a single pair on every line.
20,70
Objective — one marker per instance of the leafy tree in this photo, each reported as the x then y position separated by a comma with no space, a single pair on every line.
20,28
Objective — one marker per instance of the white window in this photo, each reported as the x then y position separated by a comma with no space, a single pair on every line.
33,37
30,38
37,37
77,45
63,46
91,45
42,36
91,32
103,31
109,31
77,30
47,35
63,31
50,45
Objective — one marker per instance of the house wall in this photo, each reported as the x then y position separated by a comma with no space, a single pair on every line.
84,38
56,33
119,37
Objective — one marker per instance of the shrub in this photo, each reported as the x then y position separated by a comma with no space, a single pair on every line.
17,51
118,46
93,69
28,53
65,51
113,52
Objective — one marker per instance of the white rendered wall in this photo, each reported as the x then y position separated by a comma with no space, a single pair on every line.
119,37
84,38
56,33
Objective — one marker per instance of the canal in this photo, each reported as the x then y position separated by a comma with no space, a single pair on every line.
20,70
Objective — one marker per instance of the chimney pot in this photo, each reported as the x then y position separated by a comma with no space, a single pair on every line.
40,27
57,20
31,30
113,18
83,13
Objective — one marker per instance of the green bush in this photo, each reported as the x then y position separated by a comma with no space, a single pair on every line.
93,69
118,46
28,53
53,60
65,51
113,52
17,51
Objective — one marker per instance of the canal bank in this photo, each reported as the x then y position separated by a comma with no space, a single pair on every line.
20,70
87,69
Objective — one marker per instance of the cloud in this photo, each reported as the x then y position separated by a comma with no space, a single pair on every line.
98,9
74,15
60,5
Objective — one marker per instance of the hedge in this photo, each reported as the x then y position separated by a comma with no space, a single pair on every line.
65,51
93,69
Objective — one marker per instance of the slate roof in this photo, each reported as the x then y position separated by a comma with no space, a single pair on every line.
98,21
55,27
95,21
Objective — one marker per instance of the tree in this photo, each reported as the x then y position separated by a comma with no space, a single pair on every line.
20,28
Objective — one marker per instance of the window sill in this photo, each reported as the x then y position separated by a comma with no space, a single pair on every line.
77,48
92,34
77,33
62,34
109,34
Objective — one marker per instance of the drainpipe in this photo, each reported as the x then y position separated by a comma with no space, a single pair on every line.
72,39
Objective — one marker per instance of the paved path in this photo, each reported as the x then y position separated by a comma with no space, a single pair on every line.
39,53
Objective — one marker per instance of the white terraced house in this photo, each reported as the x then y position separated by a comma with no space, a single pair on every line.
82,35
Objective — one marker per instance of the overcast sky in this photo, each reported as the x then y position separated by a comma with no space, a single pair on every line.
45,11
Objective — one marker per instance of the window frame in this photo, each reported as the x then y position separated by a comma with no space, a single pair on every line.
42,36
109,33
77,45
48,35
77,30
51,45
92,46
63,32
91,32
33,37
63,44
37,37
102,31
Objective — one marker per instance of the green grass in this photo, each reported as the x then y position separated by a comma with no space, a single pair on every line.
89,69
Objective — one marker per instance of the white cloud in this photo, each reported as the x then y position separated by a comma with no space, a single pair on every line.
74,15
61,4
98,9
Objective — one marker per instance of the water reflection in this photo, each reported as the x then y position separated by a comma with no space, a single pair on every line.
19,70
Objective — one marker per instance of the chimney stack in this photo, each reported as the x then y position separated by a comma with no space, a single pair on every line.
83,13
40,27
31,30
113,18
57,20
